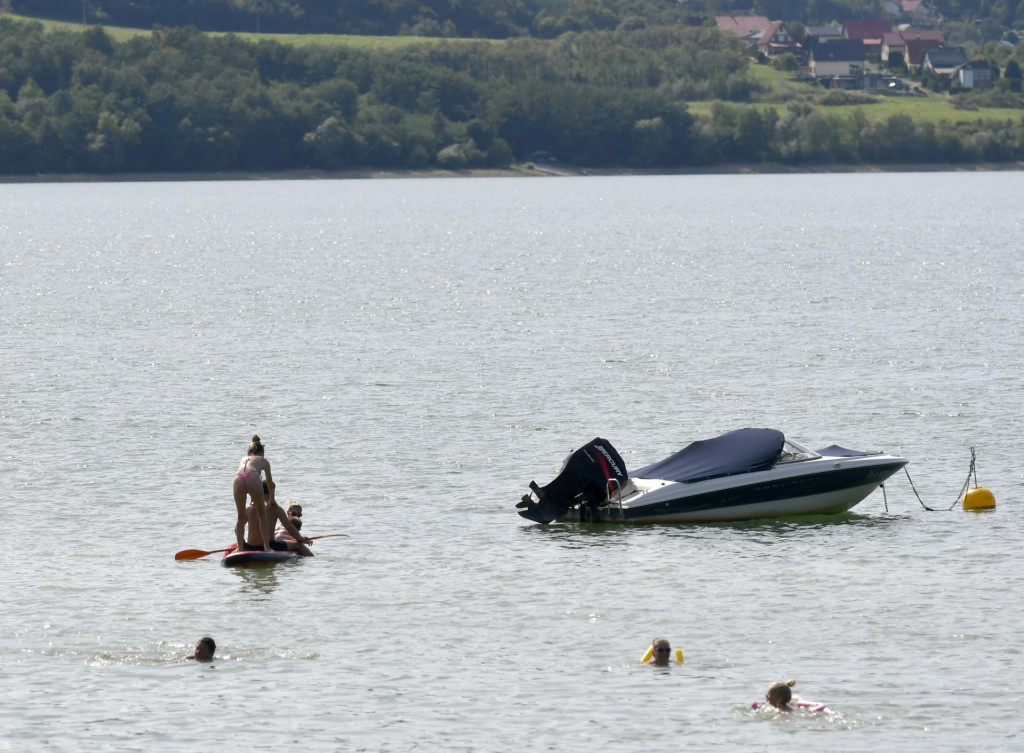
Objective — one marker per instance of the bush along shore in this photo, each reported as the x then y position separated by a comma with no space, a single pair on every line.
183,101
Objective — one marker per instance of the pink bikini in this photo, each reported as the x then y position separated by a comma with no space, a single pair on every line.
246,474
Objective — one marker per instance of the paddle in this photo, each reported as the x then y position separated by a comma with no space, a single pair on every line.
194,554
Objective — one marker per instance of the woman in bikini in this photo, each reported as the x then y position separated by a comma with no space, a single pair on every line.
248,483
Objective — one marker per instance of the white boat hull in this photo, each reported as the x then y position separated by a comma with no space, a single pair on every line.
824,486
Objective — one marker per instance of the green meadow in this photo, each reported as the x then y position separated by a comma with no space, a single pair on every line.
920,110
121,33
931,108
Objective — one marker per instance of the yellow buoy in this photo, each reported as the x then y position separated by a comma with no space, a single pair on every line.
679,655
979,498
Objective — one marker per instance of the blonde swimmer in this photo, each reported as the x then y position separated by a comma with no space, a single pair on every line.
659,653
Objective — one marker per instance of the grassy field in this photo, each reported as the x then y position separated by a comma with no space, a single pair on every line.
933,108
782,85
920,110
120,34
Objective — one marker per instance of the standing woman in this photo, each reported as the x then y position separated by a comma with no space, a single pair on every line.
248,482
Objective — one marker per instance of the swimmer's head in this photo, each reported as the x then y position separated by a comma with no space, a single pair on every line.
779,694
256,447
205,649
662,650
294,509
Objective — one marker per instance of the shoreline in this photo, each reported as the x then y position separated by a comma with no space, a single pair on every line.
515,171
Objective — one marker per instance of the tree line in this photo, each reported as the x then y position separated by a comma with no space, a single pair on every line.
491,19
180,100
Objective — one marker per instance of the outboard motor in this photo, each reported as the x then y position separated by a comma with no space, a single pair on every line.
589,477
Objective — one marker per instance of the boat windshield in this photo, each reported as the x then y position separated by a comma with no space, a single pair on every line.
794,451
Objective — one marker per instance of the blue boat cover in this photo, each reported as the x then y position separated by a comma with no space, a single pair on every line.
740,451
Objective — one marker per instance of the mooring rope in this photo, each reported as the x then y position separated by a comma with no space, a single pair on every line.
970,472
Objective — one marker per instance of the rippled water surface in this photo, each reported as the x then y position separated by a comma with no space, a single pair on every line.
413,353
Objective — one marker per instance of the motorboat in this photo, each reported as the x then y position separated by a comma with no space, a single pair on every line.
741,475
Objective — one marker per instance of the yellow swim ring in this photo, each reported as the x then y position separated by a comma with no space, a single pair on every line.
650,653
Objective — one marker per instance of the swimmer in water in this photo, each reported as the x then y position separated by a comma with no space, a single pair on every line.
204,650
780,694
662,652
780,697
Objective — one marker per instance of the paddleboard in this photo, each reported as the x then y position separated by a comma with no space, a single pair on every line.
256,559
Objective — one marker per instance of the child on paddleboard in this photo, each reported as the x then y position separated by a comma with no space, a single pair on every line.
294,512
295,543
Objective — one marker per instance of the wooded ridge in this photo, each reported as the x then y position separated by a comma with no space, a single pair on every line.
181,100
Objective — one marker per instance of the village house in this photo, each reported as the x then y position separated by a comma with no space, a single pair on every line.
974,74
943,60
770,38
916,49
935,35
869,31
777,39
893,44
911,44
838,57
749,28
916,10
823,33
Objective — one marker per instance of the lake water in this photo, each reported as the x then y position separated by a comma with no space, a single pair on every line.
413,353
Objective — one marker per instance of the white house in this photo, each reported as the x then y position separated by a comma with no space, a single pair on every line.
973,75
838,57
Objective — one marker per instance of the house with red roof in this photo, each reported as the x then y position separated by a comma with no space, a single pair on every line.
916,48
893,44
770,38
910,43
933,35
869,31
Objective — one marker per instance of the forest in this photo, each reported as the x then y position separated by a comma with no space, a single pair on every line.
182,100
489,19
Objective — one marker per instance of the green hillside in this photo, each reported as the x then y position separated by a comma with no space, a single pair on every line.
88,99
123,33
